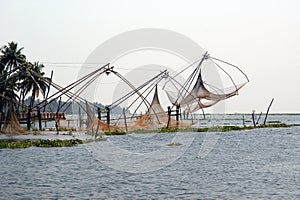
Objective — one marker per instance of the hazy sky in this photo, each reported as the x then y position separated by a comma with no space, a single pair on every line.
262,37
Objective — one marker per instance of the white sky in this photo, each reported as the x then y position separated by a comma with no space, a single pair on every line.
260,36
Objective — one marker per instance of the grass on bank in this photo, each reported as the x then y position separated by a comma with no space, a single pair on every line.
75,141
40,143
115,132
46,143
227,128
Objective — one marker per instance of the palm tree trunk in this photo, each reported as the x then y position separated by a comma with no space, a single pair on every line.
20,100
1,113
30,109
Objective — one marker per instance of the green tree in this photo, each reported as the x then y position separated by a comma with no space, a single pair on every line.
11,58
34,82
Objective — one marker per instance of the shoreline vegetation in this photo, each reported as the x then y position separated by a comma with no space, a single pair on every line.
14,143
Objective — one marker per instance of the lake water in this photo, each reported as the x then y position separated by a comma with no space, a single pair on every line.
254,164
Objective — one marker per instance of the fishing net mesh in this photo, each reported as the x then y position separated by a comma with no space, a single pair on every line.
11,124
155,117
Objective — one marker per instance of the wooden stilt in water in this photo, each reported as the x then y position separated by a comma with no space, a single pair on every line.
268,111
258,118
79,117
177,112
253,118
99,113
57,116
125,119
169,116
107,115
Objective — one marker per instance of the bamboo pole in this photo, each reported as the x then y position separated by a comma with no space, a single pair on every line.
258,118
169,116
253,118
268,111
125,119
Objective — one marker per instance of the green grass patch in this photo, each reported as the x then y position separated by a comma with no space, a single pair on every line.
203,129
238,128
168,130
62,129
40,143
115,132
274,122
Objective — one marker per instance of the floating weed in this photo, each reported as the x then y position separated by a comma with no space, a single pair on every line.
40,143
115,132
173,144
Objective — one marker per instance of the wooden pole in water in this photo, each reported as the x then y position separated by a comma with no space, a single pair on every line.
258,118
169,116
268,111
107,115
177,112
125,119
79,117
57,118
253,119
99,113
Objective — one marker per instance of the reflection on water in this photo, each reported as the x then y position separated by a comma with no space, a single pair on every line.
260,163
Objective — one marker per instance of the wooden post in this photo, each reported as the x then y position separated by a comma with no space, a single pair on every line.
177,112
57,117
268,111
29,118
39,118
107,115
169,116
258,118
99,113
80,118
244,121
125,119
253,119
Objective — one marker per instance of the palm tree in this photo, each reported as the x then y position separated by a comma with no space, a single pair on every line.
8,88
34,82
10,59
12,56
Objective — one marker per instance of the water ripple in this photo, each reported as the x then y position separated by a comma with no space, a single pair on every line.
253,164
